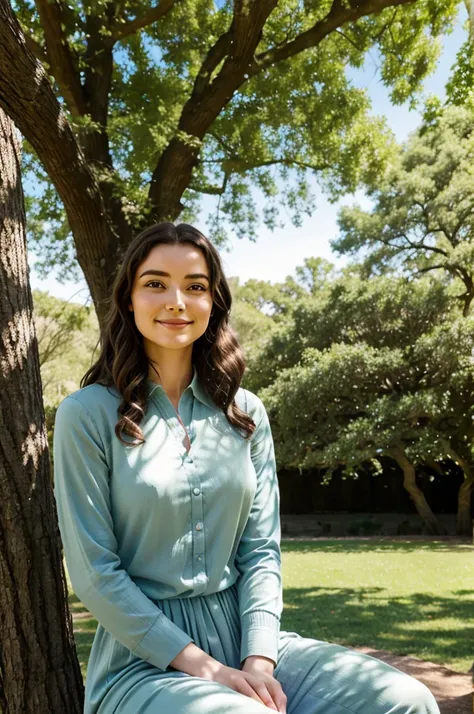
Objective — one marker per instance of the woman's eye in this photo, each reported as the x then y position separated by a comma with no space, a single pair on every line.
157,282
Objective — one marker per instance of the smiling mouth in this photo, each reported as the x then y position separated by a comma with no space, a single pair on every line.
173,324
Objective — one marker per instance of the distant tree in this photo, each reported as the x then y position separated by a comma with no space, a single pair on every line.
252,326
39,669
274,299
67,335
135,111
56,321
460,87
384,368
423,214
278,299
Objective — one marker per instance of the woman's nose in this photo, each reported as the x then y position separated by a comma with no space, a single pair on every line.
175,299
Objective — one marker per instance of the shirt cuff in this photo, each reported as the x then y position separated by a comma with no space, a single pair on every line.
163,641
260,634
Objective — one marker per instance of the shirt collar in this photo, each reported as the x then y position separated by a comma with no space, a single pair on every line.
195,385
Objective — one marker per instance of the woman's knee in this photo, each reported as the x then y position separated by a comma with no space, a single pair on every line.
410,696
363,683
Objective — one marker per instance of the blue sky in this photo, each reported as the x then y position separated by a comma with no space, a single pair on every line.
276,254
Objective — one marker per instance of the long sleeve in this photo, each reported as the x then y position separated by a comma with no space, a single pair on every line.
81,476
258,557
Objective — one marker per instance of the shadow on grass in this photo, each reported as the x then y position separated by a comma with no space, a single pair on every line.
321,545
408,625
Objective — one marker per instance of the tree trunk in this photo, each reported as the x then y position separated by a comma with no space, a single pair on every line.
463,518
434,525
28,98
461,455
39,670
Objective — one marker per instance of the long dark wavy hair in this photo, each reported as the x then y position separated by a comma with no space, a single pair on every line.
123,363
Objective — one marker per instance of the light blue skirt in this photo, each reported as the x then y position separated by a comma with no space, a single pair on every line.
317,677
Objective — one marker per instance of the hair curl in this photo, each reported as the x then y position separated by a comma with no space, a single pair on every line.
122,363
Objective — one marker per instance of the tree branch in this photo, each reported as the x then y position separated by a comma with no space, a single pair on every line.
422,246
241,165
227,147
219,190
462,218
236,51
338,15
94,140
213,190
28,98
236,47
62,64
97,83
248,22
458,458
456,269
212,60
430,267
434,465
123,28
238,41
350,40
440,228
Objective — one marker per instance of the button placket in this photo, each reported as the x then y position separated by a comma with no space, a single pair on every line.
200,577
198,530
170,414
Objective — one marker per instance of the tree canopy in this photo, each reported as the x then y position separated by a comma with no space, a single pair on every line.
423,214
380,368
155,106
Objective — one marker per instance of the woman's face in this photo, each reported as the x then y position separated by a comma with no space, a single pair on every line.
172,283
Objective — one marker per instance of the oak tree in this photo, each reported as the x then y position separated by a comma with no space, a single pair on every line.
135,111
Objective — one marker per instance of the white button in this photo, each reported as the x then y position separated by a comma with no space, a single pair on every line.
196,491
199,557
199,526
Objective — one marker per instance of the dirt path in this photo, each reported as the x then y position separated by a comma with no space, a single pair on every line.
453,691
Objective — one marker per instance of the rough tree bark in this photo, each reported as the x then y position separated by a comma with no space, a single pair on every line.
39,670
434,525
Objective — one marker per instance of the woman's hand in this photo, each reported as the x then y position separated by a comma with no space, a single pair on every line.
255,679
255,683
258,666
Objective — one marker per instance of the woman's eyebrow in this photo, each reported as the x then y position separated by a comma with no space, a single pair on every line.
193,276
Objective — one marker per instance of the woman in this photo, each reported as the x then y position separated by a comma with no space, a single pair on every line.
168,507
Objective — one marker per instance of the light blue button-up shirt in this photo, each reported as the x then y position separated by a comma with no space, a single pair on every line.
153,521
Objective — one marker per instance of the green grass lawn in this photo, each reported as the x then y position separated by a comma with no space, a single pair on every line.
409,598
